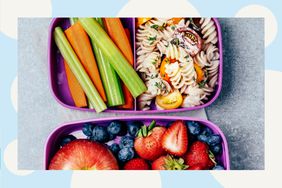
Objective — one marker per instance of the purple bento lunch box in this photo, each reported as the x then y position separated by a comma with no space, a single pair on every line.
59,84
75,128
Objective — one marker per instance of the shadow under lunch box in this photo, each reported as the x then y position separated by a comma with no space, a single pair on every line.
59,83
52,144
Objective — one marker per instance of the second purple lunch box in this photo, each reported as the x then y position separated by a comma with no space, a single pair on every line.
75,128
59,84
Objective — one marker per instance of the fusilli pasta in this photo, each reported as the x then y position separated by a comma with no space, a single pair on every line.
160,38
208,30
212,68
148,63
181,74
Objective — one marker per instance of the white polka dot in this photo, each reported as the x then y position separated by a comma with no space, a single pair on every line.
273,152
11,159
270,26
167,9
109,179
12,9
14,93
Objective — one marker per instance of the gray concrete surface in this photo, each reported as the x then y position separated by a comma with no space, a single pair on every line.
239,111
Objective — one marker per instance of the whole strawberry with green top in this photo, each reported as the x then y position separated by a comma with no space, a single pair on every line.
147,144
199,157
169,162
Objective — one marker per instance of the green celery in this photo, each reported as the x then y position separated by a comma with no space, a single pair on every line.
73,20
109,77
125,71
78,70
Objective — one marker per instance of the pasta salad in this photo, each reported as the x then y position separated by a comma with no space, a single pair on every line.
178,59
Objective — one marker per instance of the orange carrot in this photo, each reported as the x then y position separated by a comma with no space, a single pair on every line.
119,36
80,42
76,90
127,95
127,32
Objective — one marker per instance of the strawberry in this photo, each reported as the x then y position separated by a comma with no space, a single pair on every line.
175,139
159,164
136,164
199,156
148,142
168,163
196,167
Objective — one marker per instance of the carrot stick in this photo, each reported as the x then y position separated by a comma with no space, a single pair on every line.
76,90
127,32
127,95
76,67
80,42
118,34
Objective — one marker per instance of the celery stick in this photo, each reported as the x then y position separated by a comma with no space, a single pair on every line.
78,70
90,105
109,77
73,20
125,71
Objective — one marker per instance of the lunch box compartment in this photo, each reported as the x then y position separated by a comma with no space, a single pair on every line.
59,83
52,143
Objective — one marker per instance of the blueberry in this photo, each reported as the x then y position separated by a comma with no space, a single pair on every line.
125,154
216,149
214,139
114,128
114,148
133,127
126,142
206,131
87,129
117,128
111,136
218,167
202,138
67,139
100,134
193,127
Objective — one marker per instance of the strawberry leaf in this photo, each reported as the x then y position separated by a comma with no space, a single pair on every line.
139,134
144,130
172,163
212,157
152,125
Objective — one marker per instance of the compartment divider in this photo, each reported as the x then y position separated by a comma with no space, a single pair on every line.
134,53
